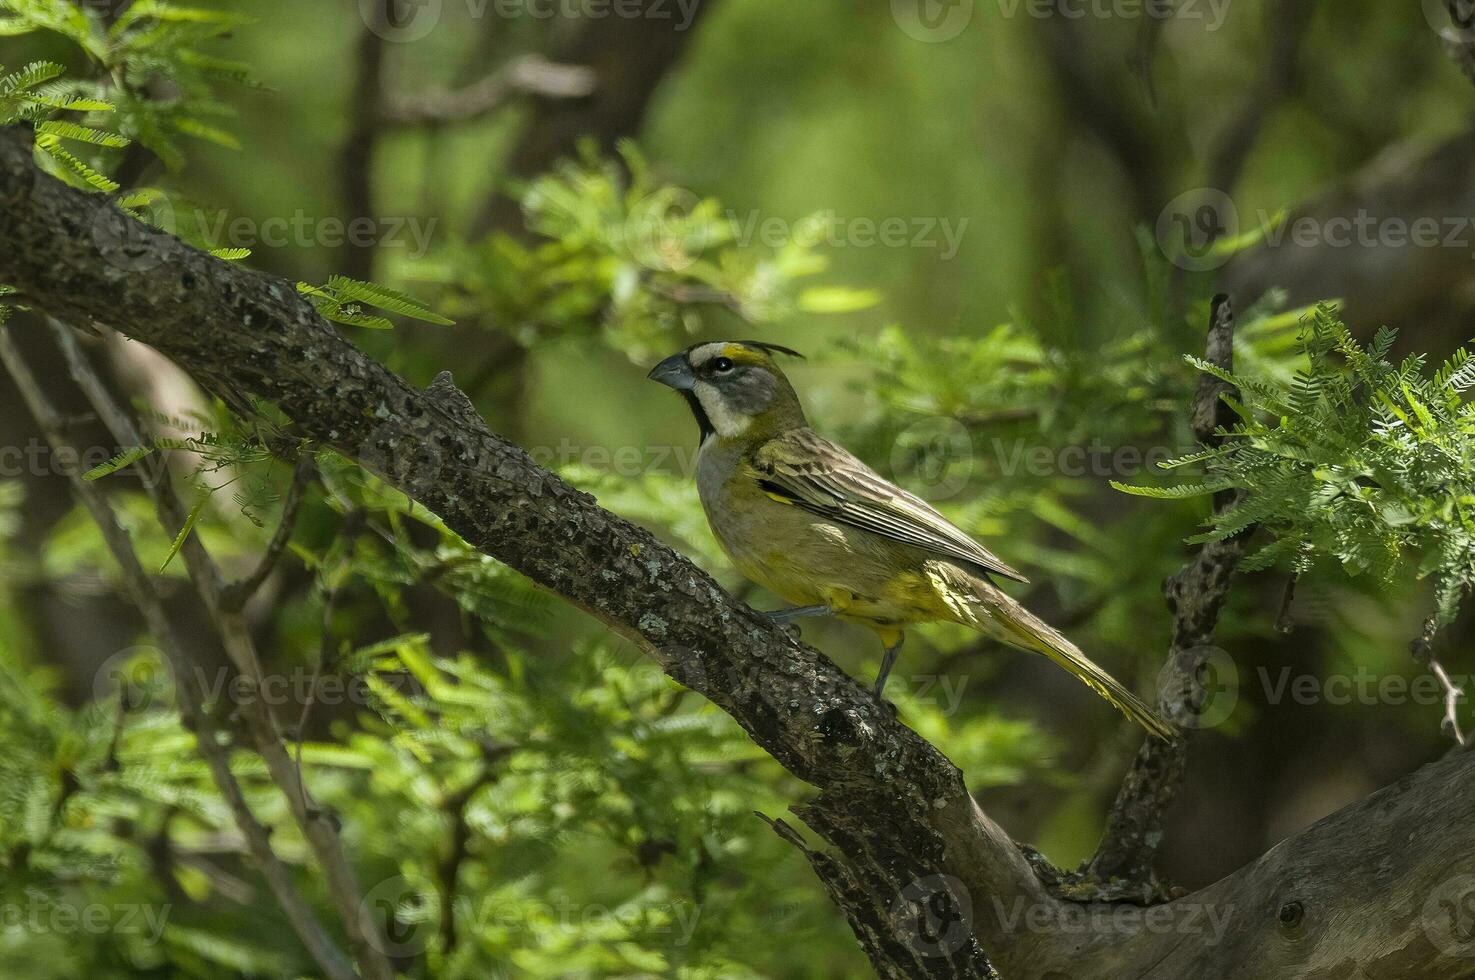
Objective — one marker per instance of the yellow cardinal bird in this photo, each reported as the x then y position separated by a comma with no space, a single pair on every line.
814,525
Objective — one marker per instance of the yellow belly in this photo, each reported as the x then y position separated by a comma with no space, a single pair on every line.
857,590
807,560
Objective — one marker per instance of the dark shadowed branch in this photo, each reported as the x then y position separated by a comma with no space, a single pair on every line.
1286,24
628,58
931,886
366,119
1195,596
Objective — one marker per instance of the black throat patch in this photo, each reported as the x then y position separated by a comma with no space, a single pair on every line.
703,423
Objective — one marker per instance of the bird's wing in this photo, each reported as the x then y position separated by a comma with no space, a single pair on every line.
808,471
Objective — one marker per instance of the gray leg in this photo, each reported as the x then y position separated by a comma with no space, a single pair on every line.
798,612
887,660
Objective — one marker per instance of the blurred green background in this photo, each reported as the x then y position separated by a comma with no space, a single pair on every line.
1038,162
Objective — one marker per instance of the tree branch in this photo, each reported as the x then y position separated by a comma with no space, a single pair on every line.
927,880
319,831
365,114
527,75
237,330
236,594
208,735
1195,595
1286,25
628,58
1385,279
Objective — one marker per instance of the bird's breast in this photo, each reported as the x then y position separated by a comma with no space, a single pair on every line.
806,559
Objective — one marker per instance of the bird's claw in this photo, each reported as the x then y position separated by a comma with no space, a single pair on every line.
785,620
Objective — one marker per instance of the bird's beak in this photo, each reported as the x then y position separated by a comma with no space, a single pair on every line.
674,372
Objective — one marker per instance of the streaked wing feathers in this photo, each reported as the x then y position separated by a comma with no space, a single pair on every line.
805,469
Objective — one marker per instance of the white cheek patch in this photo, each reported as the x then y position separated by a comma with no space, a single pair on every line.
725,422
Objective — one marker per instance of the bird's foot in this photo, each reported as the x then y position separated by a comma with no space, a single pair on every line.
888,706
790,629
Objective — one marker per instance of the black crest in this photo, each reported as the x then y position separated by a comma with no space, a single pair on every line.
771,348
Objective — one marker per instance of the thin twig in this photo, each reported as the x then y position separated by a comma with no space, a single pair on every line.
321,834
327,654
700,295
1422,648
1283,621
192,699
528,75
449,870
236,594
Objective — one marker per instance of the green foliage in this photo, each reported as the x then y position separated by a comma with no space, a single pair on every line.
344,300
222,445
34,95
607,812
642,264
174,214
1356,460
153,45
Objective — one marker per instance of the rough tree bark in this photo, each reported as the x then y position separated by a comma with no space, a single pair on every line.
931,886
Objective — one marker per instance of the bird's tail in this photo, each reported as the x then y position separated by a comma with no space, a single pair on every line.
988,610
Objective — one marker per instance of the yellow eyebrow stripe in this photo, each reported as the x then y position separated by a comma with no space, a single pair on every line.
743,355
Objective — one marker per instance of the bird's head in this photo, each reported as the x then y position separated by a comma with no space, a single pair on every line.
734,387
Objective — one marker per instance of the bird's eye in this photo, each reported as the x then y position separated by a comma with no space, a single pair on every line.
722,365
